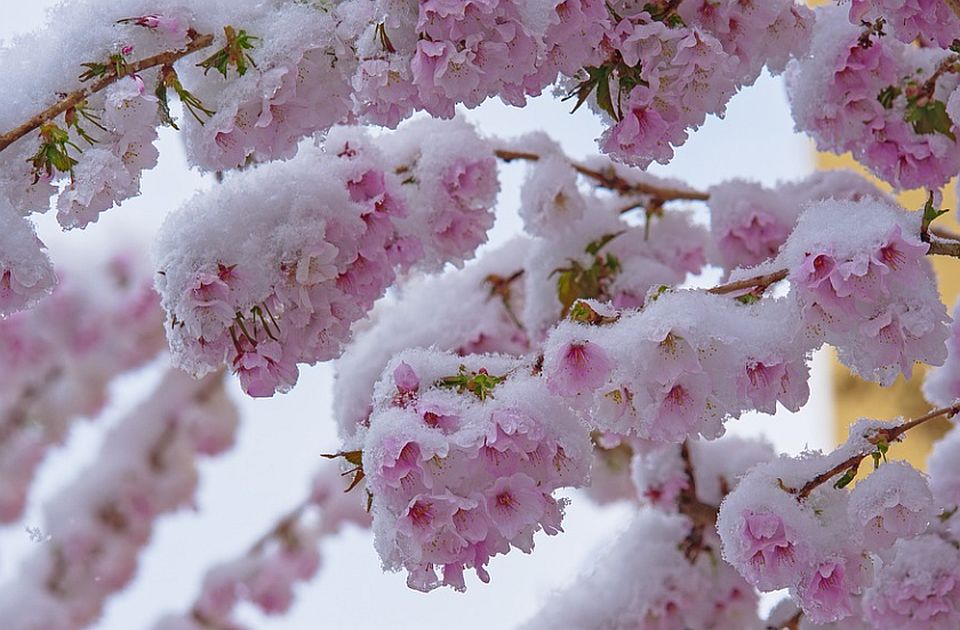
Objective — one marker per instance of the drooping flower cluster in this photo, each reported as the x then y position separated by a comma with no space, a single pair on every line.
862,553
932,22
26,273
468,311
60,358
668,67
265,288
644,580
680,366
749,222
885,101
662,572
859,273
287,555
942,385
297,84
110,170
462,459
99,524
436,55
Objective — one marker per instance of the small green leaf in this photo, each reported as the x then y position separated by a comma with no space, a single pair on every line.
593,247
749,298
930,214
480,383
585,314
232,54
888,95
846,479
929,118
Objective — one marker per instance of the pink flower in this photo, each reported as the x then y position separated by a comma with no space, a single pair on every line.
918,588
265,369
400,461
770,551
893,502
752,240
578,368
825,592
680,405
514,503
406,379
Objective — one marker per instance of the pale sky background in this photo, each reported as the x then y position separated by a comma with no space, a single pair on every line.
243,492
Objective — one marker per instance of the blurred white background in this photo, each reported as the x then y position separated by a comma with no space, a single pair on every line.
243,492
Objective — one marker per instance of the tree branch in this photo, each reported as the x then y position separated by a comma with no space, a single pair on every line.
609,179
197,42
941,247
763,281
879,436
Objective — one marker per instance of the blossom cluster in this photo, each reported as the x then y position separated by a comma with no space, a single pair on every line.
864,91
99,523
662,572
26,273
680,366
870,292
289,554
942,384
749,222
60,358
482,318
668,68
275,77
461,459
262,289
878,552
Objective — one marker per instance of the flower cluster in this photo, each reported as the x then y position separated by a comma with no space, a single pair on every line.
644,580
929,21
299,85
462,459
662,572
60,359
287,555
603,257
468,311
110,170
669,68
680,366
865,287
438,54
749,222
879,98
263,289
26,273
99,524
867,552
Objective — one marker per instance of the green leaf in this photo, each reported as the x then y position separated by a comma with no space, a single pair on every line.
585,314
232,54
480,383
930,118
593,247
930,214
888,95
846,479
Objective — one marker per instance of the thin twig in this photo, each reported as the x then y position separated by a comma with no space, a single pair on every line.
198,42
941,247
609,179
879,436
763,281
